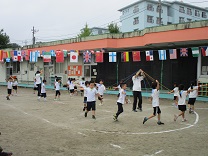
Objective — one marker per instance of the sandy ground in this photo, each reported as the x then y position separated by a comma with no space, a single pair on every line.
59,128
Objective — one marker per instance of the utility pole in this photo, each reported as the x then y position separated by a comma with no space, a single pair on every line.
33,32
160,12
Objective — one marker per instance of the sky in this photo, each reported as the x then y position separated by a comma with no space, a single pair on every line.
59,19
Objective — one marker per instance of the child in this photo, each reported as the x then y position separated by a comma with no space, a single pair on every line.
4,153
155,103
91,103
181,103
82,84
193,95
15,83
68,83
120,101
35,86
176,93
71,87
101,89
43,90
9,87
87,83
57,88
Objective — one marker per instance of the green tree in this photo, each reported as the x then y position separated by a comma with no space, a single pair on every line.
85,32
4,39
113,28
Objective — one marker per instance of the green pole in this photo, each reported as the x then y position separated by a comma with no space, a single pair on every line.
117,72
161,76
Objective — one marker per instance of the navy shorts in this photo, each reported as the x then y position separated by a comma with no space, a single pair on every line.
91,105
182,108
71,90
156,110
175,98
43,95
85,100
58,92
9,91
14,87
99,97
192,101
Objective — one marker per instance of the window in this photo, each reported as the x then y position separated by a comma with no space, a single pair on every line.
197,13
136,21
204,15
136,9
59,68
158,9
125,11
158,20
189,12
150,7
150,19
181,20
189,20
181,9
16,67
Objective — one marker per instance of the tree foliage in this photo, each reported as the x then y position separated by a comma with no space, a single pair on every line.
113,28
85,32
4,39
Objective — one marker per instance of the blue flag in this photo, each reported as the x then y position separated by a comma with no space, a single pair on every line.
162,54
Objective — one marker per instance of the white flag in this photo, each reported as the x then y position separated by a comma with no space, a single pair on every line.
112,56
73,57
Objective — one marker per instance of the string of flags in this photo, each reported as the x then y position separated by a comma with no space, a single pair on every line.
32,56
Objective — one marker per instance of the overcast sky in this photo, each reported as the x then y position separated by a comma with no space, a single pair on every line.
59,19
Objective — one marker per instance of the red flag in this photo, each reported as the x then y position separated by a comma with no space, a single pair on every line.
59,56
1,55
136,56
27,56
99,56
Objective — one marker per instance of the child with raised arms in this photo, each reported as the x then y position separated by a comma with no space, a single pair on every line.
15,86
175,93
83,88
120,101
155,103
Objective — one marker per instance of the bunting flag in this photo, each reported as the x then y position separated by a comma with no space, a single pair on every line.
33,56
87,57
53,54
74,57
173,53
125,57
46,56
15,56
99,56
149,55
92,51
102,50
19,56
77,52
1,55
23,53
59,56
184,52
38,53
27,56
136,56
195,51
204,51
8,54
162,54
8,59
112,56
65,53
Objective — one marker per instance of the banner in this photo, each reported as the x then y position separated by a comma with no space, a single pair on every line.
112,56
59,56
125,57
162,54
75,70
149,55
99,57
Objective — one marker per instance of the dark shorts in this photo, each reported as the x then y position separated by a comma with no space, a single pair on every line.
85,99
14,87
182,108
35,88
99,97
58,92
192,101
156,110
91,105
75,87
43,95
9,91
71,90
175,98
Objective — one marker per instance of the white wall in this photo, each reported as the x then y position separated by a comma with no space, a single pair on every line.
2,72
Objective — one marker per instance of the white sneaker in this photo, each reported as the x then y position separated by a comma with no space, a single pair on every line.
184,120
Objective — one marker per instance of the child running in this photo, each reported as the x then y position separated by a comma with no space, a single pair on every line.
15,86
35,86
57,88
193,95
181,103
91,103
120,101
155,103
101,89
71,87
83,88
9,87
176,93
43,90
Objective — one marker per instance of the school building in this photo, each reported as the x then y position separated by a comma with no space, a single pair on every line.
175,36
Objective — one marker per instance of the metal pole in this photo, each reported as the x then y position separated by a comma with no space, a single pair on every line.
160,12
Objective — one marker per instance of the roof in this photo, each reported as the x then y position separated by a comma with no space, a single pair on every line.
98,28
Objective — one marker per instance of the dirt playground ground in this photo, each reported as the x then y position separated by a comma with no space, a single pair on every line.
59,128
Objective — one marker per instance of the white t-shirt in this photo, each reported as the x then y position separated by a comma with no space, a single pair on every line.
137,83
82,83
37,77
176,91
122,96
57,85
9,85
101,89
15,83
43,89
194,93
71,85
155,97
68,83
119,87
85,92
91,94
182,98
